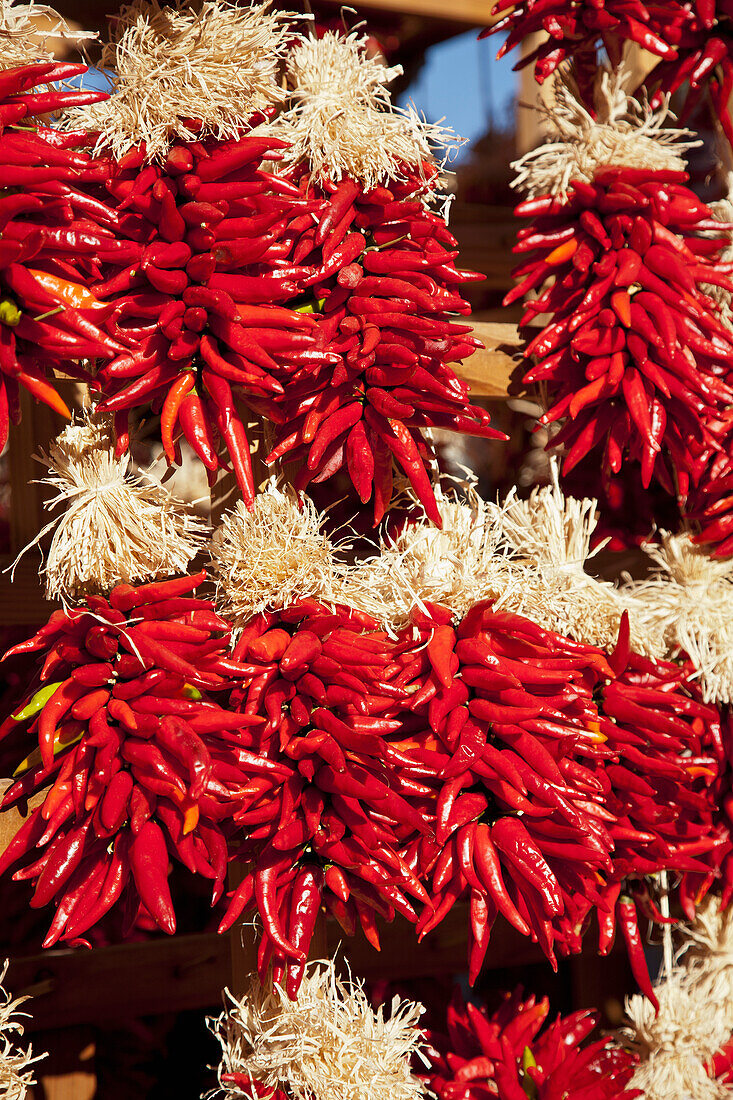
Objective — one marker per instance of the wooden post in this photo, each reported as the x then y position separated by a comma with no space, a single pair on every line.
68,1073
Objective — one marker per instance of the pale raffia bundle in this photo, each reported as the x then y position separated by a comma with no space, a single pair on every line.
527,556
116,526
688,602
457,564
340,120
270,557
16,1065
212,61
695,1015
329,1044
623,132
27,32
551,534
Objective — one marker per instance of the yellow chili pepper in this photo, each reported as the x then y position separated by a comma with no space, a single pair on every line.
61,742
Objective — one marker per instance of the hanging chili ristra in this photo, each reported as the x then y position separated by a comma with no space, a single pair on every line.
136,758
327,809
584,30
47,318
201,259
510,1053
387,288
633,355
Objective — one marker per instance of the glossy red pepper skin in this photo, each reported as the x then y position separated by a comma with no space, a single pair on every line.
133,762
642,378
384,320
513,1052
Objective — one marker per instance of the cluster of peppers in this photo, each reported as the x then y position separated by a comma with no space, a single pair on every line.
384,276
209,288
360,773
512,1055
581,30
203,258
540,814
635,359
300,300
135,755
692,41
47,319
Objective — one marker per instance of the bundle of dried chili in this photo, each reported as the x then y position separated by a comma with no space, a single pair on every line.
136,756
662,788
326,805
522,825
201,260
507,1054
634,353
701,59
386,284
581,31
47,316
542,814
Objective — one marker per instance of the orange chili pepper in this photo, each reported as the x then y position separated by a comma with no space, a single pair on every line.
621,303
45,392
171,406
74,294
563,252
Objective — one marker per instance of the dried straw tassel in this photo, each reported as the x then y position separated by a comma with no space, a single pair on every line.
27,32
527,556
456,565
270,557
16,1072
117,526
341,120
329,1044
695,1015
622,132
550,533
215,62
688,602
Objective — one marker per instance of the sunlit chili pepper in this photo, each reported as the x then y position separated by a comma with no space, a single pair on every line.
512,1053
634,358
387,288
135,757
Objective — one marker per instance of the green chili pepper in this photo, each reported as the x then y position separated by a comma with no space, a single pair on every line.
528,1062
60,743
9,313
39,700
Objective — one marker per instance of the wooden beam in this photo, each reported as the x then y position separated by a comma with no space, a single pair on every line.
489,371
473,13
112,985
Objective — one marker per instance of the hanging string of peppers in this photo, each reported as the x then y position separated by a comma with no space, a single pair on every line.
48,319
513,1053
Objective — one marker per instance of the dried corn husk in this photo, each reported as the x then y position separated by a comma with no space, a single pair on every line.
116,526
16,1065
623,132
212,61
27,33
688,602
528,557
695,1015
329,1044
341,120
268,558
